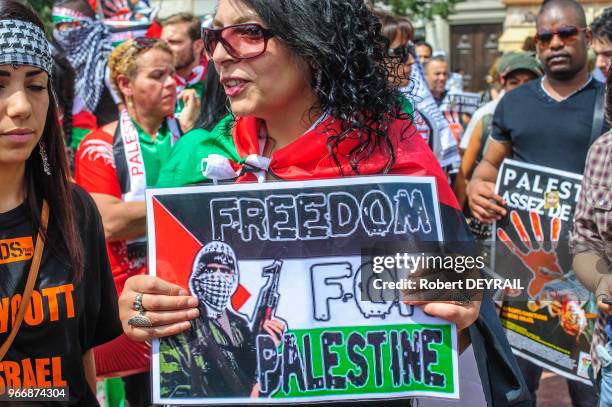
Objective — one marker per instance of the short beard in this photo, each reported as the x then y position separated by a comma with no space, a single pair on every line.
186,64
564,75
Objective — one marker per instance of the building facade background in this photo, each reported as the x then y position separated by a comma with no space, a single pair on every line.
472,37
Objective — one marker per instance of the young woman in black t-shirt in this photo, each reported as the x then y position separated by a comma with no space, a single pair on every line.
72,305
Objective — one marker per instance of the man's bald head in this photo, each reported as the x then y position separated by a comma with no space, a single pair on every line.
571,8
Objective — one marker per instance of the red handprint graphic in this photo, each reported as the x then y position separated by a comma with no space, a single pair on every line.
542,263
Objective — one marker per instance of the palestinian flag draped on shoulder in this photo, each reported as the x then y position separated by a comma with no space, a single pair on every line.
237,141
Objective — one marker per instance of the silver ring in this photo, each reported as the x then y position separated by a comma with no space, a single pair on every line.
138,303
140,320
462,300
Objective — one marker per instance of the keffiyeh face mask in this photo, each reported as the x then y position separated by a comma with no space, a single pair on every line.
214,278
215,290
87,47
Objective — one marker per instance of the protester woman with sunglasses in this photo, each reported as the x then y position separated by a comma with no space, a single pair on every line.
116,163
55,279
408,76
316,104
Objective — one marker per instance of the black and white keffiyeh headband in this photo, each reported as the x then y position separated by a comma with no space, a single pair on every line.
24,43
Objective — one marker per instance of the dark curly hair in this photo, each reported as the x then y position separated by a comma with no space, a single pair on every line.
342,42
217,103
63,85
602,26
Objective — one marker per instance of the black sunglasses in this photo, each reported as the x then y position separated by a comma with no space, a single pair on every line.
241,41
403,52
566,34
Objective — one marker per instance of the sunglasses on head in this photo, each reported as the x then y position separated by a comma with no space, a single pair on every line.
241,41
141,43
403,52
565,34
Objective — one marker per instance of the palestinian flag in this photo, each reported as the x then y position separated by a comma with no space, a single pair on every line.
195,82
126,19
123,30
306,158
83,123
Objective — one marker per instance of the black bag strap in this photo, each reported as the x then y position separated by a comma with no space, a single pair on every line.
598,115
31,280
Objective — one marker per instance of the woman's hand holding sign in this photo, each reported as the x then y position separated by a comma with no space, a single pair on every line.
462,314
167,306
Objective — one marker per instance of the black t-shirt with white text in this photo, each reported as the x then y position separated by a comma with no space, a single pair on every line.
65,318
546,132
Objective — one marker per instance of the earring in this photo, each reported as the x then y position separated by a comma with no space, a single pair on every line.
130,103
45,159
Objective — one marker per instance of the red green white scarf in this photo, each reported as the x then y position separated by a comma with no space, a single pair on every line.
197,75
308,157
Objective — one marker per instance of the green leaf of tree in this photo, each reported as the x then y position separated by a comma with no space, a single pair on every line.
422,8
43,8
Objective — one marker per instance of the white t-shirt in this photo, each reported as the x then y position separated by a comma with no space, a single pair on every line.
487,108
470,386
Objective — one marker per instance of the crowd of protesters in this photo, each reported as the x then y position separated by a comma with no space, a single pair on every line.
94,117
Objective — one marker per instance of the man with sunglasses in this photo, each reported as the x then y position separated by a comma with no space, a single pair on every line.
549,122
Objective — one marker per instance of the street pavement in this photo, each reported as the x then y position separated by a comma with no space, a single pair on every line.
553,391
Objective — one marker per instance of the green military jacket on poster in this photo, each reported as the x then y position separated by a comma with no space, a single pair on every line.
208,359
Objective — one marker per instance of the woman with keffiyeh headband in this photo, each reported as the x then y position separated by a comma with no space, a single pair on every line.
116,163
311,104
55,278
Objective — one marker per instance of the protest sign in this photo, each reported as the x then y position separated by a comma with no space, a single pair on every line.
461,102
550,322
277,267
126,19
